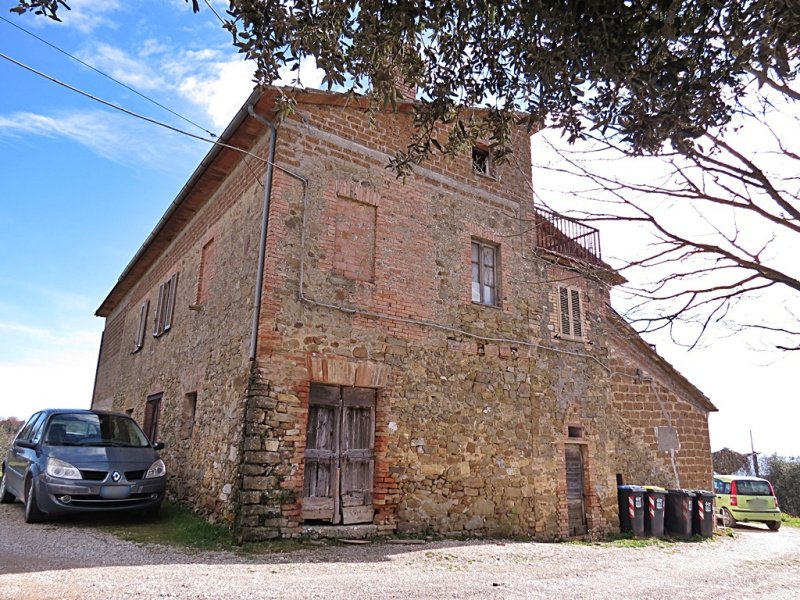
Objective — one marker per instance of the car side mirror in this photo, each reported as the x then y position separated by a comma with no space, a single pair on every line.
26,444
158,445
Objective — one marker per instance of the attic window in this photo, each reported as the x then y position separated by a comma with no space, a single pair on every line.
482,161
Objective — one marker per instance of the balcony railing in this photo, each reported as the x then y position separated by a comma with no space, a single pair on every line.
568,237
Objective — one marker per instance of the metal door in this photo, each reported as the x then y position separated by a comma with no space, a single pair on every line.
339,455
576,504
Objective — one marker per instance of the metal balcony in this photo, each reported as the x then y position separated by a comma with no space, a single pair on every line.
561,235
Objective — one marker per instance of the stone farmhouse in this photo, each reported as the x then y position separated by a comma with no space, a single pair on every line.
322,345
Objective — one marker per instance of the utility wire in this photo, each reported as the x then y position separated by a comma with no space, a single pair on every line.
107,76
128,112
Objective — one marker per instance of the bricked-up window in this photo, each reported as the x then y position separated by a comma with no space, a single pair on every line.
482,161
569,307
484,273
207,267
152,414
165,306
140,329
188,415
354,245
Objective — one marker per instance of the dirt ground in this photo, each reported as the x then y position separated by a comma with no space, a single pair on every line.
69,561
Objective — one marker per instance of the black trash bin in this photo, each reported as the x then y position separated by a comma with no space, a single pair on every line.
654,501
703,513
631,509
678,515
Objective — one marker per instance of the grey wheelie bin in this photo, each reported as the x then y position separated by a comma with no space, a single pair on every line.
631,509
678,515
654,505
703,513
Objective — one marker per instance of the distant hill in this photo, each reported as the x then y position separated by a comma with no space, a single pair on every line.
8,429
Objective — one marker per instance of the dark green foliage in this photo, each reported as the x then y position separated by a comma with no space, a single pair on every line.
648,72
784,474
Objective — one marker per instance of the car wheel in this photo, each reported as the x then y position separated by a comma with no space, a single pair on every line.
32,512
774,525
6,497
727,518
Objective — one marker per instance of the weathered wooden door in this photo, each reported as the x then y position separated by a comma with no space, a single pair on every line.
575,481
339,455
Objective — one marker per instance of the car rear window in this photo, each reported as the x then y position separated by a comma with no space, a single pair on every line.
751,487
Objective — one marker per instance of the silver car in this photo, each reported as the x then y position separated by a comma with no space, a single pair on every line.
69,461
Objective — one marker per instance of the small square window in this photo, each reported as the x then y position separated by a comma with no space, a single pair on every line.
484,273
482,161
574,431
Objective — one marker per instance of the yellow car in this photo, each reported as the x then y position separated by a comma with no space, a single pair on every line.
747,499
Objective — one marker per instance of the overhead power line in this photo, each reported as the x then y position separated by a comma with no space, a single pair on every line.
107,76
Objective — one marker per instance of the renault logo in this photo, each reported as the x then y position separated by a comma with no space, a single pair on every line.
115,476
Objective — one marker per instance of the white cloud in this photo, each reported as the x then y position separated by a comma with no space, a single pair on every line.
87,15
220,90
116,137
117,63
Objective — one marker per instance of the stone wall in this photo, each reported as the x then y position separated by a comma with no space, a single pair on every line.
475,402
204,353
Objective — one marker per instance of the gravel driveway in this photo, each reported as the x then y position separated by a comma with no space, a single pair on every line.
69,562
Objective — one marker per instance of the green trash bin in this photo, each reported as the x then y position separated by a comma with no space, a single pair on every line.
631,509
678,514
654,506
703,513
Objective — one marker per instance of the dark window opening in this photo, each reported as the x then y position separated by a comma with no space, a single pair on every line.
481,161
574,432
619,479
152,414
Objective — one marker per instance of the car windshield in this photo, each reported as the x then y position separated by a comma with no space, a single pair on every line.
751,487
90,429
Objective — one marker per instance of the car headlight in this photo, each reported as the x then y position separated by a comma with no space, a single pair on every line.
61,469
157,469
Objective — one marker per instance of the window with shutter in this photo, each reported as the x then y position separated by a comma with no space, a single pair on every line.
140,329
166,305
570,313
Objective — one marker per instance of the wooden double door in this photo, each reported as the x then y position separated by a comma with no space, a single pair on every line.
339,455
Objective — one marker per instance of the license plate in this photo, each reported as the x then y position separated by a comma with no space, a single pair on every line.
115,492
757,504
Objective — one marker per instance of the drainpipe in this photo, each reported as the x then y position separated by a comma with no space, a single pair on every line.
262,250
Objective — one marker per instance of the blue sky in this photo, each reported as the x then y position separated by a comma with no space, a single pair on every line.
83,185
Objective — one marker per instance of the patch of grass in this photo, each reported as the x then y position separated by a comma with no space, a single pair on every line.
790,521
178,526
626,540
175,526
